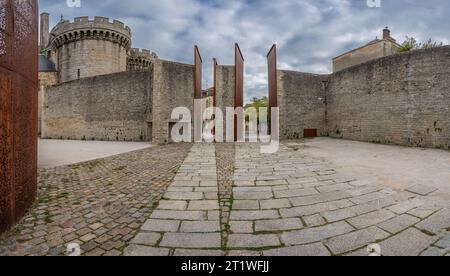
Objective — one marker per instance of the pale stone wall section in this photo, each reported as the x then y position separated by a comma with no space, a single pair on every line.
173,87
301,99
112,108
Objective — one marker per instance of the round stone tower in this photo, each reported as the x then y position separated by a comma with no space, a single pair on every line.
86,48
139,60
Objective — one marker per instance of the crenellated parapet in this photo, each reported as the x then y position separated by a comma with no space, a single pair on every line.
83,28
140,59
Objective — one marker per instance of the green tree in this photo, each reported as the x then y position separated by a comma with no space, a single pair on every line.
256,103
411,44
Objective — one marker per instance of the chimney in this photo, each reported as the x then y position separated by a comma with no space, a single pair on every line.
45,32
386,33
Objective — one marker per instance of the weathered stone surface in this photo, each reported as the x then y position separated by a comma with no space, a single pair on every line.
406,206
314,209
252,241
191,240
146,251
355,240
158,225
184,195
274,204
319,198
278,225
313,250
246,205
200,226
421,190
295,193
410,242
399,223
198,253
149,239
433,252
203,205
314,220
179,215
254,215
311,235
436,223
241,226
172,205
370,219
444,242
253,195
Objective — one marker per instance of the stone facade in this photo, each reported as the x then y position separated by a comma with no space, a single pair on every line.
111,107
402,99
375,49
301,96
224,90
173,87
46,79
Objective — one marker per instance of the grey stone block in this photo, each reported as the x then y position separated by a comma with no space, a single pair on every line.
437,223
370,219
191,240
157,225
399,223
200,226
253,241
311,235
178,215
145,251
274,204
355,240
149,239
246,205
421,190
254,215
278,225
310,250
410,242
200,205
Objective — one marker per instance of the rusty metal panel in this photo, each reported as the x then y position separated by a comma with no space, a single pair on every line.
18,108
238,85
215,64
273,82
198,74
273,85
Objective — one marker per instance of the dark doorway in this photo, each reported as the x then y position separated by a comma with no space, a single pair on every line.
310,133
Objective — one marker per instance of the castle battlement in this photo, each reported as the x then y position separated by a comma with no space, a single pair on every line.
143,53
82,27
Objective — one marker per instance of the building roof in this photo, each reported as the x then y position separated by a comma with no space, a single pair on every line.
46,65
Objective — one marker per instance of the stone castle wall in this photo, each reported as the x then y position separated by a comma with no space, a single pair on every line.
110,107
173,87
402,99
86,48
301,98
225,91
46,79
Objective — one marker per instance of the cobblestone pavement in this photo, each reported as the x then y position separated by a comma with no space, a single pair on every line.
215,200
291,204
100,204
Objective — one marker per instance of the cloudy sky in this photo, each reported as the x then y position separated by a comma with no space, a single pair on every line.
308,32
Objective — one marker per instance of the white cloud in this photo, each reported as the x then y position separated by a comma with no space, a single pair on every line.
308,33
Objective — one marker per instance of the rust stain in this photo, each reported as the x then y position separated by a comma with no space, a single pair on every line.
18,108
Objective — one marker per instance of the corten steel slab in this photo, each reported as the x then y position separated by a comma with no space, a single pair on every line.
215,64
273,85
272,69
18,108
238,86
198,74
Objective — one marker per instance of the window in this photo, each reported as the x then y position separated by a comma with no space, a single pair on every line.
79,73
